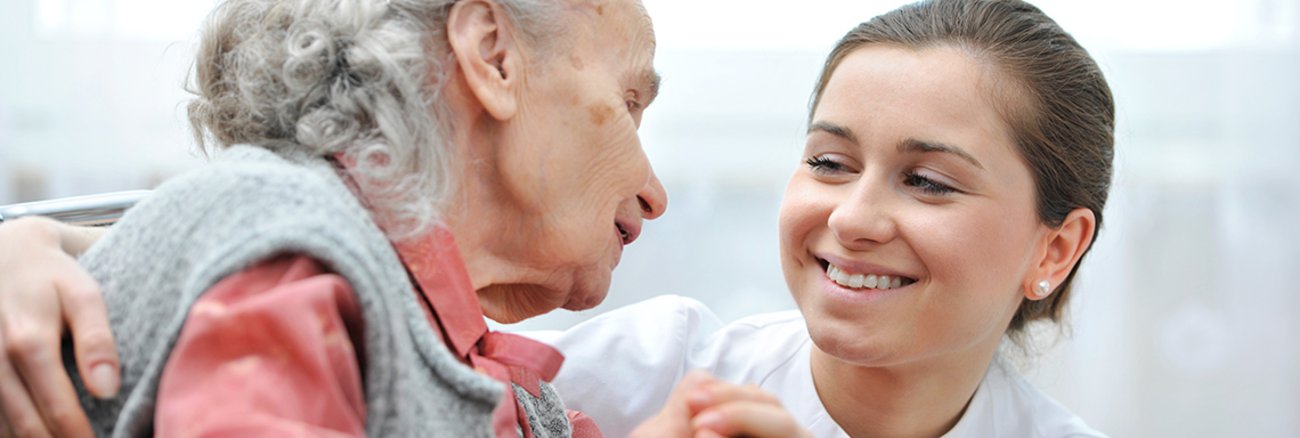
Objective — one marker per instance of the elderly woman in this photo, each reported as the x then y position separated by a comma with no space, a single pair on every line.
387,172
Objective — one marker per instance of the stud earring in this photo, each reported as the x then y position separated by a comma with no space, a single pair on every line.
1043,290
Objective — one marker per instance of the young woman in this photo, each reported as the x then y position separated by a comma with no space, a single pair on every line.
957,163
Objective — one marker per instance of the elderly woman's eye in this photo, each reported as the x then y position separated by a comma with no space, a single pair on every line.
633,106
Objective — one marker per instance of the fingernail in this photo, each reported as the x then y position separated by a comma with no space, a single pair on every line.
699,397
708,420
104,377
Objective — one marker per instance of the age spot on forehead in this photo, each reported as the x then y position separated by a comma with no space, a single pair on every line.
600,113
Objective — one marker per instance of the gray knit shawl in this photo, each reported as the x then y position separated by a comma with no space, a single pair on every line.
249,205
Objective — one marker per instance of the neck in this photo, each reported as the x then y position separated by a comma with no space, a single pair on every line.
481,211
923,399
509,289
477,199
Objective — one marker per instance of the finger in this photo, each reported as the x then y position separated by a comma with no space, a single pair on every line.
674,418
92,338
748,418
695,379
20,415
679,400
38,362
705,433
718,393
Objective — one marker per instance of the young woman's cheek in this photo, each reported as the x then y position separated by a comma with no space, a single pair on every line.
803,208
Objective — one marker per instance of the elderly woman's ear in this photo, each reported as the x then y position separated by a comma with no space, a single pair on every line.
484,44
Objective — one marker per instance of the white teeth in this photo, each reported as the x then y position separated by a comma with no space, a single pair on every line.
842,278
856,281
860,281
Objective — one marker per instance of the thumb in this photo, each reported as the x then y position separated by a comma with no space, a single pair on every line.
673,420
679,399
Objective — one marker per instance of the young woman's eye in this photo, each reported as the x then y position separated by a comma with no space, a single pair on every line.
822,165
927,185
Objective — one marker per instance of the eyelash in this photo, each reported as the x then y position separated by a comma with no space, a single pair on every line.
927,185
822,165
632,99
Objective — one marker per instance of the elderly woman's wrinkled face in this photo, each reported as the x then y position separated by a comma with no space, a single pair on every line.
578,163
908,231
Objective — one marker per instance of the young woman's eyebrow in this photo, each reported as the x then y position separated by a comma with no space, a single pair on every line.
910,145
833,129
926,147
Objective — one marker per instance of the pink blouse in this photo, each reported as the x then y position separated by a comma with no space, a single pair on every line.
271,350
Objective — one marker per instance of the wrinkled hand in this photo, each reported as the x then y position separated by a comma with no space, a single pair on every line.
704,407
41,288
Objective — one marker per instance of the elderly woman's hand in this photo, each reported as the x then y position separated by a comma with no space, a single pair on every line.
724,410
41,288
702,406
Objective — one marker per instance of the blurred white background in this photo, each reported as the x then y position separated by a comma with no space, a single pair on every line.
1185,320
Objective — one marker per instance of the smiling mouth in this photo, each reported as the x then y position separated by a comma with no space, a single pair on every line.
863,281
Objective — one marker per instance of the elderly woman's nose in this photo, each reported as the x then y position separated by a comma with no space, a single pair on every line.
653,198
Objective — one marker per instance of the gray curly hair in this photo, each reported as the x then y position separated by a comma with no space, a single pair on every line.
357,77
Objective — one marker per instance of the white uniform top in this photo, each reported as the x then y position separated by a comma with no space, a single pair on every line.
621,366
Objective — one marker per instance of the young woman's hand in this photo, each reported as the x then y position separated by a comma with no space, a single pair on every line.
42,288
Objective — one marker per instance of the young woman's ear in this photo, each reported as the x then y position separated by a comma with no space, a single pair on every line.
1062,249
483,43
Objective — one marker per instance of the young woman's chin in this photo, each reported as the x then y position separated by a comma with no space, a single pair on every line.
863,350
858,341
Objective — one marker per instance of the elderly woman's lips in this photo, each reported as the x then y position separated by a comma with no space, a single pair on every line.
627,231
622,233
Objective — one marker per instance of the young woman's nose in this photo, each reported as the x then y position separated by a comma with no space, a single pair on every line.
653,198
863,218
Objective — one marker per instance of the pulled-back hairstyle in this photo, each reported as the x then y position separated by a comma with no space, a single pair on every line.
357,77
1058,105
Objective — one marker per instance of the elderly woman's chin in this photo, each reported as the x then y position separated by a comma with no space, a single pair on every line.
589,289
511,303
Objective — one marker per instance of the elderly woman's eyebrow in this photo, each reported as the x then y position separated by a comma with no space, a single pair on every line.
927,147
650,81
